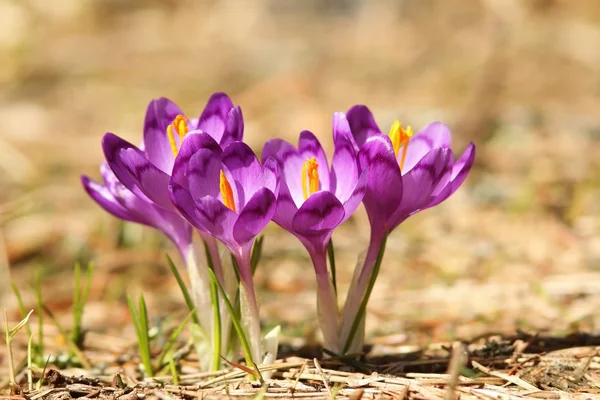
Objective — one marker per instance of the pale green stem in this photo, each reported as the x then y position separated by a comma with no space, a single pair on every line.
327,308
363,276
249,304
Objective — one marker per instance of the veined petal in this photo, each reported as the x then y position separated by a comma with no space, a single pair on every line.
192,143
135,172
384,188
183,201
245,169
255,215
460,170
362,124
309,146
214,116
159,114
217,219
319,215
286,208
344,168
203,174
357,194
420,182
234,127
270,176
290,163
434,136
105,199
341,127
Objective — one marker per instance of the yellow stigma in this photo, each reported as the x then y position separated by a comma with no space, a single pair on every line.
310,177
180,126
400,138
226,192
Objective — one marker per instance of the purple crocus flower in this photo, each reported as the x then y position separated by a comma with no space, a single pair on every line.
136,179
408,173
229,194
313,201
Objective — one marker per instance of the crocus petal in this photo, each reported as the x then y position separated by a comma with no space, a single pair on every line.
183,201
290,163
309,146
460,170
419,183
159,114
234,127
342,128
218,220
319,215
203,174
153,182
105,199
270,176
344,168
245,169
362,124
214,116
357,194
286,207
434,136
193,142
384,190
255,215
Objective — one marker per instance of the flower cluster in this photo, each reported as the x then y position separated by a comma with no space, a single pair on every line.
198,176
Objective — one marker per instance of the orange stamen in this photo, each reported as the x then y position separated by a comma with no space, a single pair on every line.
226,192
310,177
179,126
400,139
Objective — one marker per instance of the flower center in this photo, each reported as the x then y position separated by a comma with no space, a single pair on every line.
226,192
310,177
180,127
400,138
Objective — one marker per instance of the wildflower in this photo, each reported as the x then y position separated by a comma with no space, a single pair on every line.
408,173
229,194
313,200
136,179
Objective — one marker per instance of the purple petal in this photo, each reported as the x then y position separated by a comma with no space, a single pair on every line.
344,168
460,170
192,142
153,182
357,195
234,127
319,215
183,201
214,116
159,114
341,127
420,181
245,170
309,146
362,124
434,136
270,175
255,215
217,219
286,208
384,189
105,199
290,163
203,173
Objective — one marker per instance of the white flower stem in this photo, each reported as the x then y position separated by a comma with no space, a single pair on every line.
327,308
249,304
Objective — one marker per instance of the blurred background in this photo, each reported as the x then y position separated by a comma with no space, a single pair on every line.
517,247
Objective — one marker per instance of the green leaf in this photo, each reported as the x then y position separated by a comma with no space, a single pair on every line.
140,323
183,288
171,341
256,253
238,328
12,332
331,256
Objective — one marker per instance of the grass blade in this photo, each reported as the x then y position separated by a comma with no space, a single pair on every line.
171,341
183,288
331,256
256,253
40,312
80,296
238,328
76,351
17,293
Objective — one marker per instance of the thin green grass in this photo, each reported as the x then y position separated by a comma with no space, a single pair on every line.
140,323
80,295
